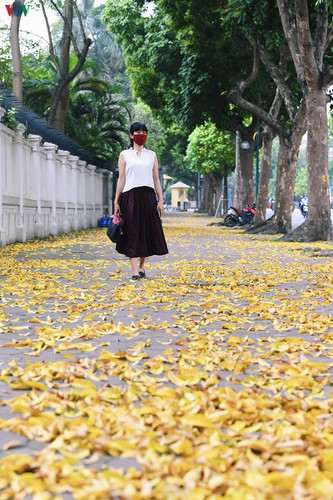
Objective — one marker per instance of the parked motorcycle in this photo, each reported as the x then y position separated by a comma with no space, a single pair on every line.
239,217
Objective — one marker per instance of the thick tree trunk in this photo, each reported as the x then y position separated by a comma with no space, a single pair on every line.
246,190
60,115
261,205
216,191
16,51
206,194
318,225
285,177
285,186
308,43
317,160
225,190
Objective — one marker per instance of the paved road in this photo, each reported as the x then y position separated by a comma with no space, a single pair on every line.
175,387
297,217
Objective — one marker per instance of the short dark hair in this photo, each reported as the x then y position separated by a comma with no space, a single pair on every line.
135,127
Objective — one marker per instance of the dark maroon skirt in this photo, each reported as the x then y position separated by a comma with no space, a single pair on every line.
143,234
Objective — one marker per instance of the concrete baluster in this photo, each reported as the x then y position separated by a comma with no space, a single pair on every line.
82,192
91,193
73,161
51,175
65,179
18,159
35,141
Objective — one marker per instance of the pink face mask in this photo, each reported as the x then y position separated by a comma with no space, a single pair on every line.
140,139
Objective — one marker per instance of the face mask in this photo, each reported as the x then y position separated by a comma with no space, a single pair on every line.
139,139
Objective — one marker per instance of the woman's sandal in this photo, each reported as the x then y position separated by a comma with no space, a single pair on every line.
142,274
135,277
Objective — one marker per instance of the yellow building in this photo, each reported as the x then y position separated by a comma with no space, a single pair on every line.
179,195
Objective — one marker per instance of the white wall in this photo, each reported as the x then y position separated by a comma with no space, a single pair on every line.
44,190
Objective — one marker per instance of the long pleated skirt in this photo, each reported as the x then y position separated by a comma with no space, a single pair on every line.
142,230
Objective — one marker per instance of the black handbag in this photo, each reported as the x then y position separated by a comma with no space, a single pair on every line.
115,230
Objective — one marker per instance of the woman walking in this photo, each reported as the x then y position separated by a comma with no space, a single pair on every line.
137,187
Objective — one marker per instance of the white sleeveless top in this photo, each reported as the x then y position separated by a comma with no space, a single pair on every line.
138,169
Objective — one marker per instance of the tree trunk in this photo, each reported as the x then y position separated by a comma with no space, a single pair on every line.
218,191
246,189
317,160
59,105
16,51
318,225
285,178
225,190
206,194
285,186
308,50
58,112
212,189
261,205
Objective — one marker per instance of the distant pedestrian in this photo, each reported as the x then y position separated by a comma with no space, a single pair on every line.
137,187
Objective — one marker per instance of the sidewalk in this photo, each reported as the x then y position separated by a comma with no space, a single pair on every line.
211,379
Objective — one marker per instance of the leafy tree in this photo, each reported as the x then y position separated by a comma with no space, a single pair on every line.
98,122
62,61
211,152
285,117
6,74
299,29
182,68
97,114
309,35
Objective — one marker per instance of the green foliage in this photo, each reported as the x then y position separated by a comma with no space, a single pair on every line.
209,149
180,60
10,117
5,57
97,121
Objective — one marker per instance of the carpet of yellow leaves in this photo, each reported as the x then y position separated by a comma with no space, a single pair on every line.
212,379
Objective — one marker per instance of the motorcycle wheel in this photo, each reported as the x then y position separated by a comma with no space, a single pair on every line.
229,220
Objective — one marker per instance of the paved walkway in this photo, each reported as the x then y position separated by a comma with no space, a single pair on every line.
210,379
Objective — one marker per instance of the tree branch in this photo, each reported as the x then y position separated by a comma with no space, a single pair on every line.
259,112
79,17
290,32
243,85
51,46
311,67
276,104
279,79
328,77
329,38
321,34
240,87
64,18
80,62
235,95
